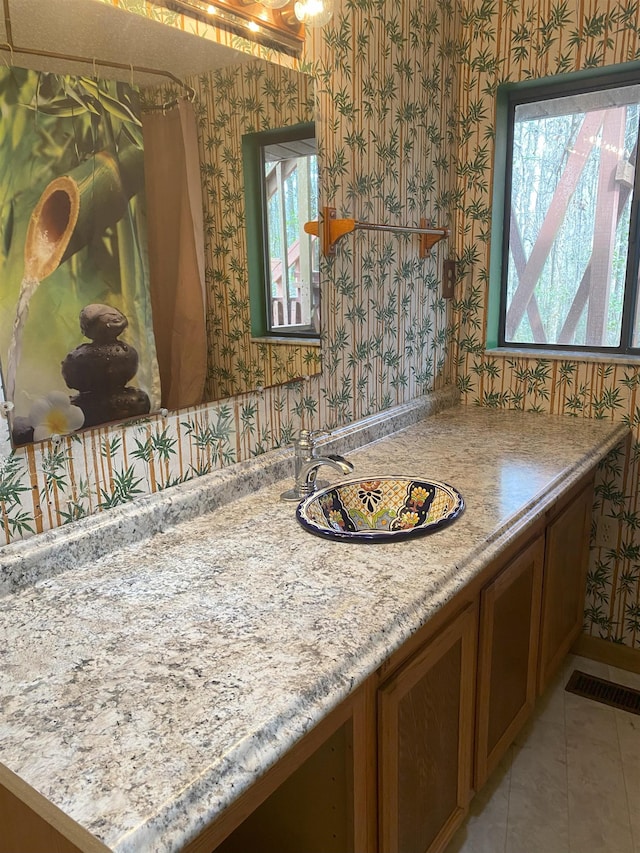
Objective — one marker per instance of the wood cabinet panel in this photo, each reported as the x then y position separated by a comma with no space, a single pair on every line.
311,811
319,797
31,824
563,592
507,655
426,725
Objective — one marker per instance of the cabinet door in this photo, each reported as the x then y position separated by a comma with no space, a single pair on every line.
507,655
426,726
563,591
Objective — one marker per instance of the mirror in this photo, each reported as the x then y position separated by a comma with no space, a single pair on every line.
235,93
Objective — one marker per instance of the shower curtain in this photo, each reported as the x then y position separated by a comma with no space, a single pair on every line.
175,231
73,238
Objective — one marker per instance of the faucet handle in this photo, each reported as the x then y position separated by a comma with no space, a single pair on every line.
306,438
304,452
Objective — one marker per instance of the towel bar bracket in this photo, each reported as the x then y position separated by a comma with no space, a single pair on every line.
330,229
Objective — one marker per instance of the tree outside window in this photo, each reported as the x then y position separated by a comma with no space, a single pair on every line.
569,250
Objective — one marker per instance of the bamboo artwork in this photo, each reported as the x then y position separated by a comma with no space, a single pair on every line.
72,219
70,210
50,228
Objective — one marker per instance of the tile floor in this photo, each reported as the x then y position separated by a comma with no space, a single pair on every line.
569,784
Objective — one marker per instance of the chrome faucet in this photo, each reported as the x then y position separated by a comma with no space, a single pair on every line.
306,483
306,465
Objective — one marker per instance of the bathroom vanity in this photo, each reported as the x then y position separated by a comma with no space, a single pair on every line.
234,683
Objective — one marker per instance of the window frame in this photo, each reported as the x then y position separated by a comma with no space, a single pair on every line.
253,145
508,97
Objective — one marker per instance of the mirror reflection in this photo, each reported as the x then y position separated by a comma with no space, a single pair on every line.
284,262
291,192
92,327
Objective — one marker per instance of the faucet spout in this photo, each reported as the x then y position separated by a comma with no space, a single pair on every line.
306,480
306,465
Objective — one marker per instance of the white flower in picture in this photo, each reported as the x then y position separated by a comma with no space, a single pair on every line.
54,415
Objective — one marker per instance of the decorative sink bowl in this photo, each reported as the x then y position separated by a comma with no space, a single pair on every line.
380,509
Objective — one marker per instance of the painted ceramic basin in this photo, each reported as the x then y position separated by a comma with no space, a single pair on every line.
380,509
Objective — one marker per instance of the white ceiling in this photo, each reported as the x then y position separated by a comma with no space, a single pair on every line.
93,29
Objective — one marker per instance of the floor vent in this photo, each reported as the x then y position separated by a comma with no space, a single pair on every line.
607,692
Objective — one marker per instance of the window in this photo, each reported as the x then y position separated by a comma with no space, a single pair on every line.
567,255
281,191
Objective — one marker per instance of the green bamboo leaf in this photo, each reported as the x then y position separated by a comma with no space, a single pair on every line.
143,451
134,139
19,125
21,522
61,108
118,110
50,86
7,227
112,105
76,93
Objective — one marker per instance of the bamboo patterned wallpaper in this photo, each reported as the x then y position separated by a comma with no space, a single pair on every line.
515,40
230,102
405,97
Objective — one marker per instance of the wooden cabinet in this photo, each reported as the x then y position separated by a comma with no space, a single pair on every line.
565,573
438,715
425,741
311,811
322,797
391,770
319,798
507,655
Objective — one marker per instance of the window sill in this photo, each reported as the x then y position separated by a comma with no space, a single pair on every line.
292,341
564,355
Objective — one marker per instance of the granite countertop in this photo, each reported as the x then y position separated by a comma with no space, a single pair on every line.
145,689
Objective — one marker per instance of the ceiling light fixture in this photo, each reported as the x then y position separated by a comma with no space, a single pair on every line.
274,29
314,13
274,4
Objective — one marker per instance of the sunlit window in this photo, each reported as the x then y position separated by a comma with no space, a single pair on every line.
569,265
